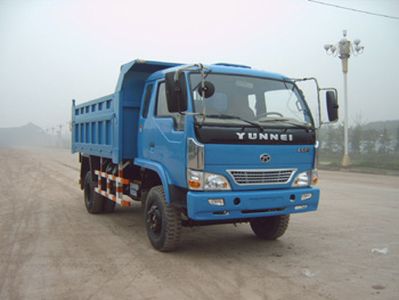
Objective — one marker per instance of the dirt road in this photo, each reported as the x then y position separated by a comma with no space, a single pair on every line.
51,248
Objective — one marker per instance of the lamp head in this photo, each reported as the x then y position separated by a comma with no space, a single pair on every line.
359,49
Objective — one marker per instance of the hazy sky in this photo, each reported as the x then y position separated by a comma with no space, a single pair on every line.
53,51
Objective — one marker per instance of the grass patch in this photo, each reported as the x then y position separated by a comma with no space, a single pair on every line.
382,161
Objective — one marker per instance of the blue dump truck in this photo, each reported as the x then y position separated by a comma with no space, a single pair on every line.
200,145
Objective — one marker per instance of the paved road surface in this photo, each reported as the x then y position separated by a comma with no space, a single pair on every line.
51,248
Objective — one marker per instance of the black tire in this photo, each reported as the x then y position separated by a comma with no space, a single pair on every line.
109,205
94,202
143,197
162,222
270,228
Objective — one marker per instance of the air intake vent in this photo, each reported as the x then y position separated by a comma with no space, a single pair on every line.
261,177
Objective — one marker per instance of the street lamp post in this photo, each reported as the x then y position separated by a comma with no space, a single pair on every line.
343,49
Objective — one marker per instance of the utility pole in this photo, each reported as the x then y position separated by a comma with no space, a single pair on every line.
343,49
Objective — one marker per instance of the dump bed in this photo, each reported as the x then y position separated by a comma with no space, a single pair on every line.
108,126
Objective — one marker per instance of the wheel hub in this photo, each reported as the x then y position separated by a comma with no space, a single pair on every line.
154,219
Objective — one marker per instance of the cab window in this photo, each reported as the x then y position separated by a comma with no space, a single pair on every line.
161,109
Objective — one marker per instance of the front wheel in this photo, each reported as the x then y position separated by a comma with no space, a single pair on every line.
162,221
270,228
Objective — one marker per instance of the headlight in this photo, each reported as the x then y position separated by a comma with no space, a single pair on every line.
215,182
200,181
306,178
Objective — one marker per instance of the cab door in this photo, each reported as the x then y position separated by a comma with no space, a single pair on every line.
162,135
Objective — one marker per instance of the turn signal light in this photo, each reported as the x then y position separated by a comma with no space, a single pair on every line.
315,177
194,184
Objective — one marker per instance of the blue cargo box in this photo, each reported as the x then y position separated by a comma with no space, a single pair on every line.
108,126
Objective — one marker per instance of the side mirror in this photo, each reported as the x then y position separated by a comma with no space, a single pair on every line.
332,106
176,91
208,90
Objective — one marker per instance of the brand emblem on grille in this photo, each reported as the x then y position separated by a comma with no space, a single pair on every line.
265,158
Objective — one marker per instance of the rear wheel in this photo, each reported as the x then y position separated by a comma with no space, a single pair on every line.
162,221
270,228
109,205
94,202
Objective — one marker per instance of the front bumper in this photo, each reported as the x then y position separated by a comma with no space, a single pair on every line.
250,204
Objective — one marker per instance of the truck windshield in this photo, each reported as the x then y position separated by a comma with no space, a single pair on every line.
243,99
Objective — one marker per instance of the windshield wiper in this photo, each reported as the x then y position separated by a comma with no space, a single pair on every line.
286,120
224,116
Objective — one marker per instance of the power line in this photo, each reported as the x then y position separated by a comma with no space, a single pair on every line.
354,9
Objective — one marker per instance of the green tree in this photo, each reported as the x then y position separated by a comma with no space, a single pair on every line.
356,138
326,138
370,137
384,141
338,138
397,140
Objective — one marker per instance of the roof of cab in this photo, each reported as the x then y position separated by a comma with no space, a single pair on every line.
224,69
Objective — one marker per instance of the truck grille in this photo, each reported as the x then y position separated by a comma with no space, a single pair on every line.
257,176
